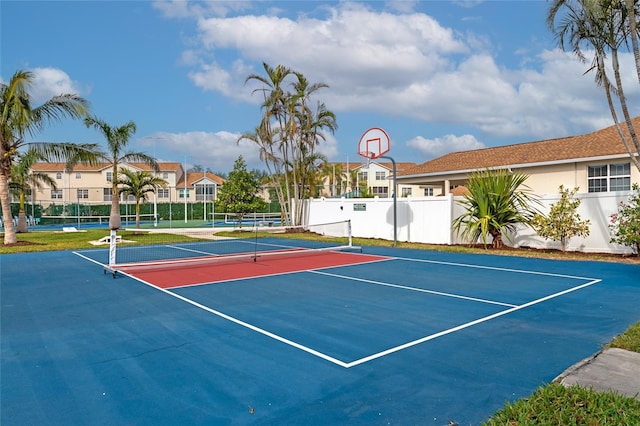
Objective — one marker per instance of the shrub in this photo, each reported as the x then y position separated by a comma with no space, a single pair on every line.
625,224
563,221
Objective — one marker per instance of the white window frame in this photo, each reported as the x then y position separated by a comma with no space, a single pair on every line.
56,194
604,177
381,175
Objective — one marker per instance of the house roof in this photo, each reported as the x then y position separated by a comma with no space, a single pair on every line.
193,177
601,143
59,167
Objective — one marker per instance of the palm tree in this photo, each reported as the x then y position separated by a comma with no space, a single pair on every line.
23,181
495,203
139,184
117,140
289,130
604,26
18,119
332,172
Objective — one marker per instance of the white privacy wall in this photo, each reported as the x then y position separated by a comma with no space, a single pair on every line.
428,220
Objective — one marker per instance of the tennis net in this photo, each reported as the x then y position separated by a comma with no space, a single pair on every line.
176,248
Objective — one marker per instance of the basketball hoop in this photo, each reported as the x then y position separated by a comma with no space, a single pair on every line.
374,143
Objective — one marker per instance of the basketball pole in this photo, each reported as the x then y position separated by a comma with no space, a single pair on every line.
395,201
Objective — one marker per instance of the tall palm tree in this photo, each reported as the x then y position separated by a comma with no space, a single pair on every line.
138,184
497,201
24,181
19,119
272,131
604,26
117,139
289,130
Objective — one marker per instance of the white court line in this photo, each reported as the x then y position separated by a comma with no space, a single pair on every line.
379,354
492,268
240,322
421,290
191,250
466,325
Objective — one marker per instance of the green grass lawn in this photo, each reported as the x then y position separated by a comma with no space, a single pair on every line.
552,404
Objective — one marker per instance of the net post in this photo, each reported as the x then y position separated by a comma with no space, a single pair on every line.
349,232
112,248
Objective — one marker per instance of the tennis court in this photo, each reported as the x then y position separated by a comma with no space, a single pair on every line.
381,336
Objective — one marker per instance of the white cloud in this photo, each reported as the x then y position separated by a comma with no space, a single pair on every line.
50,82
432,148
217,151
406,64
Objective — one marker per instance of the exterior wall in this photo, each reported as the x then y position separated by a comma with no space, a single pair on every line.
542,179
428,220
95,182
547,179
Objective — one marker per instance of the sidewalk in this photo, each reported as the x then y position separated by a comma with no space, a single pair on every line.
612,369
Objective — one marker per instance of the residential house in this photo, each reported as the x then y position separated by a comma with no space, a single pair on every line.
594,162
376,177
92,184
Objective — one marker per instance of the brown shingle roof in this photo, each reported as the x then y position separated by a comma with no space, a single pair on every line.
59,167
193,177
600,143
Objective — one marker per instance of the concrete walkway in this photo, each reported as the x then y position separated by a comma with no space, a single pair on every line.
612,369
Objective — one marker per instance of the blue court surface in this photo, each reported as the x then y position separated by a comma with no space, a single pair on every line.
418,338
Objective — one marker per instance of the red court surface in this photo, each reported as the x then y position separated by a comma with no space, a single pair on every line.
238,268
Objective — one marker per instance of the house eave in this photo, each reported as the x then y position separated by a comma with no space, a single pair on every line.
515,166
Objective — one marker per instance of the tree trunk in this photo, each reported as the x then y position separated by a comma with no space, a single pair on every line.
137,214
22,222
497,239
9,232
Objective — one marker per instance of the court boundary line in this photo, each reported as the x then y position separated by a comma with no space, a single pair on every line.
233,319
416,289
590,282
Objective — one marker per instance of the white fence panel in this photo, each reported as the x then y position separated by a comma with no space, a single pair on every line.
428,220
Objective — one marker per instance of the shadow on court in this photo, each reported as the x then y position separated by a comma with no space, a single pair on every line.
422,338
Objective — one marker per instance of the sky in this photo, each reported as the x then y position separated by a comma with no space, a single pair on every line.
437,76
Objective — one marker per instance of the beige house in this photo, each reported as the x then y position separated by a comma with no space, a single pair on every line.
92,184
594,162
377,177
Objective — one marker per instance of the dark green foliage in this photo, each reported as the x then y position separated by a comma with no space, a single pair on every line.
239,193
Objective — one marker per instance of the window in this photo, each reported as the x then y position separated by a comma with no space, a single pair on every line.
406,192
163,192
182,192
165,175
106,194
82,193
204,192
363,176
109,176
78,176
381,175
56,194
381,191
428,192
58,175
612,177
